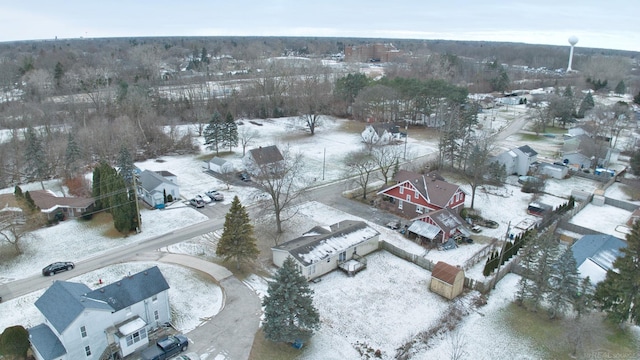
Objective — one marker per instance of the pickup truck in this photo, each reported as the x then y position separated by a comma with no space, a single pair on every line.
166,347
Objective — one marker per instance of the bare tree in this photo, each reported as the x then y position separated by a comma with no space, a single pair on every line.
458,342
247,135
313,95
477,162
362,164
15,227
284,181
386,158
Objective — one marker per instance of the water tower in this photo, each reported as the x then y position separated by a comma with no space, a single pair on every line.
573,41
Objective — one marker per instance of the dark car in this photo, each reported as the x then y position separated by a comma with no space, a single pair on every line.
244,177
57,267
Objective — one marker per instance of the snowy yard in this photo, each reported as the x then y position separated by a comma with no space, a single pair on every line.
380,308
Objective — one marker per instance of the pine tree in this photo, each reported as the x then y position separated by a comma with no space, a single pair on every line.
237,240
17,192
586,105
30,203
619,294
121,205
563,284
95,189
231,132
636,99
125,166
36,162
72,156
621,88
58,72
289,314
583,301
214,133
546,248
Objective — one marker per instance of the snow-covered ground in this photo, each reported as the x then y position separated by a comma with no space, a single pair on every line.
380,308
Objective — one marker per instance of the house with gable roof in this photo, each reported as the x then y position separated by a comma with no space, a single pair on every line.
415,194
438,226
263,159
80,323
324,249
381,133
153,186
595,255
51,204
517,161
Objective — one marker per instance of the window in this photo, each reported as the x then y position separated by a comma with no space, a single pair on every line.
87,350
409,198
416,194
400,204
342,256
83,331
401,189
136,336
311,269
156,315
154,298
419,209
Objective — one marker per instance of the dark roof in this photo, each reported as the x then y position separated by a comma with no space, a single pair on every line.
131,289
601,249
437,192
380,128
46,200
320,244
266,155
61,303
445,272
46,342
528,150
165,173
445,219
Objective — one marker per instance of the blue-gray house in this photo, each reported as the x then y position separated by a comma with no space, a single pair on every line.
155,185
80,323
595,255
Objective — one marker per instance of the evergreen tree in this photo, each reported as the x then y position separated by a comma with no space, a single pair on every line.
237,240
214,133
30,203
17,192
634,162
36,162
95,188
636,99
586,105
107,174
58,72
619,294
289,314
563,284
123,207
72,156
583,301
621,88
125,166
231,132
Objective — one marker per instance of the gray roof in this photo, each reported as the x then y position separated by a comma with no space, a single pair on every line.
150,180
266,155
64,301
46,342
317,246
218,161
61,303
601,249
527,150
131,289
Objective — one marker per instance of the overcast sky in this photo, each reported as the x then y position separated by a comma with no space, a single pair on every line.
609,24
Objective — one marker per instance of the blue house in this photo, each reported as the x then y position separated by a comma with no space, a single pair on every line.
154,185
595,255
80,323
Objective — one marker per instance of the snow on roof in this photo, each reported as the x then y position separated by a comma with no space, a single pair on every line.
311,249
595,273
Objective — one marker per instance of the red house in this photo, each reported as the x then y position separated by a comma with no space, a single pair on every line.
414,194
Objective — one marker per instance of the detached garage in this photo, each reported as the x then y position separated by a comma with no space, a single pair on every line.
447,280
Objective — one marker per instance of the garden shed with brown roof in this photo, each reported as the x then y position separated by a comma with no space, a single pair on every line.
447,280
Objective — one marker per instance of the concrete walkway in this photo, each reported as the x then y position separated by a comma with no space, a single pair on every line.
229,334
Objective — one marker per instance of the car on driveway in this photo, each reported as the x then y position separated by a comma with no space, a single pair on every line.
196,203
244,177
57,267
203,198
215,195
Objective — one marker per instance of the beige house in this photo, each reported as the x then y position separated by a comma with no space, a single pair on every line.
324,249
447,280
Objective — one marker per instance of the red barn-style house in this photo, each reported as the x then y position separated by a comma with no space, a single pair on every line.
414,194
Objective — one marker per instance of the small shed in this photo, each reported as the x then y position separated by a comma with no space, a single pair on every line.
447,280
553,170
220,165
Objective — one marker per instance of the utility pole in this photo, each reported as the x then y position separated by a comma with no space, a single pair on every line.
135,195
504,245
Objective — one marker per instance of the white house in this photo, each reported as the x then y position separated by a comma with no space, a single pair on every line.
154,185
322,250
80,323
380,134
263,159
517,161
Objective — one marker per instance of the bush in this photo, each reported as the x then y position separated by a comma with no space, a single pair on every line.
14,341
169,198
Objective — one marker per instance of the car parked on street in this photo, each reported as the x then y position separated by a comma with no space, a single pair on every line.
215,195
57,267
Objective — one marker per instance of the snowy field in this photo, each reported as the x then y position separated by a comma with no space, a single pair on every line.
380,308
